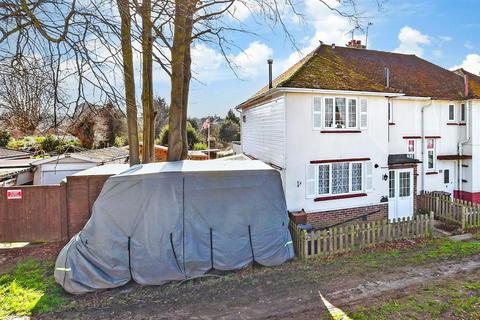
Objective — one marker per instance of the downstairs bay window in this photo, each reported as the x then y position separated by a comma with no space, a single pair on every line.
338,178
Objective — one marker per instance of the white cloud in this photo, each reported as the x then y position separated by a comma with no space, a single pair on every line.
206,63
240,10
252,61
471,64
412,41
469,45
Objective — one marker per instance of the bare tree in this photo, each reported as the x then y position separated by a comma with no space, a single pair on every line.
27,96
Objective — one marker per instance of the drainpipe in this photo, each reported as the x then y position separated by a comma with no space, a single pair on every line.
423,143
462,142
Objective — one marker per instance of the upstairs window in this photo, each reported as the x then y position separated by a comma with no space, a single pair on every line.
337,113
451,112
431,154
463,114
411,147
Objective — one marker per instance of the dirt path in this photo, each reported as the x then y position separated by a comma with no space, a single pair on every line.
271,295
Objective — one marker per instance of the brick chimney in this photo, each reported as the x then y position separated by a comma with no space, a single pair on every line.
357,44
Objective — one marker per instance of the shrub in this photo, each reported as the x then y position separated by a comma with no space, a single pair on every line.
4,138
200,146
193,136
120,141
50,144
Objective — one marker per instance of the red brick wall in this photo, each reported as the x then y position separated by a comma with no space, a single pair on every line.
467,196
326,218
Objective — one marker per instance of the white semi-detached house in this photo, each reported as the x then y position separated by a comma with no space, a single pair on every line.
358,133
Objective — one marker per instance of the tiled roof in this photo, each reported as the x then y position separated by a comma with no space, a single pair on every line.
101,155
8,172
6,153
351,69
473,82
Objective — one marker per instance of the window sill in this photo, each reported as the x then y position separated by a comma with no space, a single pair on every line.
340,131
391,123
453,124
343,196
431,173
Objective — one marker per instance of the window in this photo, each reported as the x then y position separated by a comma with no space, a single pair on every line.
451,112
430,154
411,147
357,176
391,184
339,113
317,113
446,176
324,179
390,112
462,113
352,113
338,178
404,184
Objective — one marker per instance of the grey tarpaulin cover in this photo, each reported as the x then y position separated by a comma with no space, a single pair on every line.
160,222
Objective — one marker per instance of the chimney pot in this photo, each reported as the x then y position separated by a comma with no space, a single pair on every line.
270,79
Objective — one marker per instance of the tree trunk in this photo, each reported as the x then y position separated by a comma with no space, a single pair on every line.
175,134
180,80
129,80
187,76
147,85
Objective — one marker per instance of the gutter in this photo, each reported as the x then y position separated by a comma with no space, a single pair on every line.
423,143
316,91
468,106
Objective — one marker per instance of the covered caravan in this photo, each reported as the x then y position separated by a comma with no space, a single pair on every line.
160,222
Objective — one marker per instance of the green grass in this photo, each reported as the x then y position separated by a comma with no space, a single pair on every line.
459,299
28,289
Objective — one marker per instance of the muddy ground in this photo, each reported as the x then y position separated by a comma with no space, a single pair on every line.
290,291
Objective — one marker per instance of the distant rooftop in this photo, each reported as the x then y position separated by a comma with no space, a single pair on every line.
6,153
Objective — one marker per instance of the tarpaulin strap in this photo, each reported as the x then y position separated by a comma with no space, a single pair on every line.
289,242
64,269
211,248
174,253
251,244
129,260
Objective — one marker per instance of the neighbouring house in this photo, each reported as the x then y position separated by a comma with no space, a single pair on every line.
161,153
54,169
358,133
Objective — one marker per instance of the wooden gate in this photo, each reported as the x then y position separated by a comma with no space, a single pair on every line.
33,213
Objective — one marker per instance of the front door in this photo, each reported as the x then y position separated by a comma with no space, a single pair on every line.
449,177
400,195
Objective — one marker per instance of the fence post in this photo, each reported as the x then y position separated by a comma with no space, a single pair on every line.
430,223
464,217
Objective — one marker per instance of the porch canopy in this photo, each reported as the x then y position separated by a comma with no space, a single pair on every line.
160,222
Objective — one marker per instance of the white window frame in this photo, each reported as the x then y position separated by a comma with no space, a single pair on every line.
347,113
321,113
363,189
454,112
434,154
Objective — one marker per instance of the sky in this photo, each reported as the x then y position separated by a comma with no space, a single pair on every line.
444,32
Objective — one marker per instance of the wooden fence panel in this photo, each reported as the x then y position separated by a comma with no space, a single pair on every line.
358,236
39,215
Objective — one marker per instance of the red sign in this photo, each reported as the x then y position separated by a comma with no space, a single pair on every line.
14,194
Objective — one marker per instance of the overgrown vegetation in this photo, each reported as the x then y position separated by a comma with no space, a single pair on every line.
42,145
4,138
28,289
